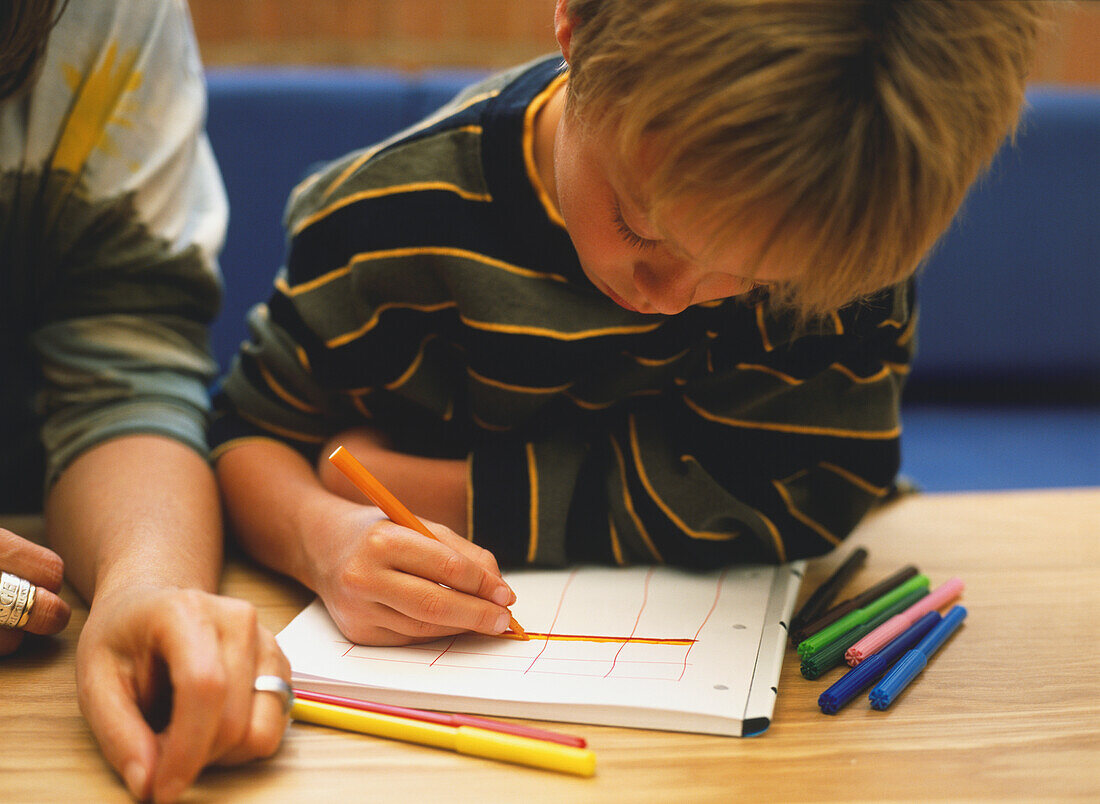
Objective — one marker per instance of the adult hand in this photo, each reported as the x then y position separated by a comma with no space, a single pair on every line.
185,660
43,568
385,584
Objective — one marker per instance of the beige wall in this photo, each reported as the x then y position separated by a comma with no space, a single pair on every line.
418,34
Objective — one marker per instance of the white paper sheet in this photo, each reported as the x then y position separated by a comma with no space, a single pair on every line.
648,647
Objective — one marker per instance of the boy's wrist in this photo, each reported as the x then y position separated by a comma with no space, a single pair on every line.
319,523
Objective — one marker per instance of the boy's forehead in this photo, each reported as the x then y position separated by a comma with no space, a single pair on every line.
687,224
630,170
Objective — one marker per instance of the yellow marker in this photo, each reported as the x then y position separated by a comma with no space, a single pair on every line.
463,739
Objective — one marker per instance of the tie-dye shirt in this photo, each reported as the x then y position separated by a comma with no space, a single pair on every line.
111,215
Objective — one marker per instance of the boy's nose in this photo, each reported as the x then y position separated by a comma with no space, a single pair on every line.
668,287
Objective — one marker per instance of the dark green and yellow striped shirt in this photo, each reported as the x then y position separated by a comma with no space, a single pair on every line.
429,293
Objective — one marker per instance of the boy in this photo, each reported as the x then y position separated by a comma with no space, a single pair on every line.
655,307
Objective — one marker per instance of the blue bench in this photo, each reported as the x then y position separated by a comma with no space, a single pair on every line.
1005,392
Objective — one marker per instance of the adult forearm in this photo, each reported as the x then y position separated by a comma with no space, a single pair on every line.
137,508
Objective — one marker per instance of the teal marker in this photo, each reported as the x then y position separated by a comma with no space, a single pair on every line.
812,644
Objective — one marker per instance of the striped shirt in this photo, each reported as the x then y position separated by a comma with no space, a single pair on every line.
431,292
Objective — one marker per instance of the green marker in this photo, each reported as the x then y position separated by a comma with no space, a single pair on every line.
812,644
833,654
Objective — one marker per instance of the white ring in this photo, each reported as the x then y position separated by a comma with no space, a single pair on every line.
276,685
16,599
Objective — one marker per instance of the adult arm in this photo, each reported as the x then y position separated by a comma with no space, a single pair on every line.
125,264
137,519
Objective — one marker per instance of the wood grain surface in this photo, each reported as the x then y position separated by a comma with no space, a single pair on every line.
1008,710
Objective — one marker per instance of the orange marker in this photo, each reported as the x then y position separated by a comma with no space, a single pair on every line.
390,505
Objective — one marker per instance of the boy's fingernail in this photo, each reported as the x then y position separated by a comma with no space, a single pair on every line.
503,621
503,596
135,777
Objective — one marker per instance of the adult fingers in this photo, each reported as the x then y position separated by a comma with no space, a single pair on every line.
238,641
39,565
268,717
188,643
128,744
49,614
10,640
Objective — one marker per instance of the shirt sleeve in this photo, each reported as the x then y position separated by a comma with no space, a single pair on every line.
130,218
741,462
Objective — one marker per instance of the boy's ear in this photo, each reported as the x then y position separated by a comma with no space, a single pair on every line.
563,27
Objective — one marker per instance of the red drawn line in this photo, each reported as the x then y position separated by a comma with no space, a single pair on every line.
554,658
377,659
555,673
594,675
557,612
713,606
440,656
638,619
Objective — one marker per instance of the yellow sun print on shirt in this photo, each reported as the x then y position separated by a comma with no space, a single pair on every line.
98,102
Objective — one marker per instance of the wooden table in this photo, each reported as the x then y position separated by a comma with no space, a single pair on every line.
1010,709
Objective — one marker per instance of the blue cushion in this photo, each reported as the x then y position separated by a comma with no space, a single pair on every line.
267,128
970,447
1013,289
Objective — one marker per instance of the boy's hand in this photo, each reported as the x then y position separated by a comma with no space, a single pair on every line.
387,585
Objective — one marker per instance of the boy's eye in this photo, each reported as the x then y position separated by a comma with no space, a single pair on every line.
628,235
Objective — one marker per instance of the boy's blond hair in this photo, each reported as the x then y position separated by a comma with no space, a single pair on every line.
854,126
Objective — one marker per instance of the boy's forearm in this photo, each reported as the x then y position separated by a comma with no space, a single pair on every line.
277,508
139,507
432,488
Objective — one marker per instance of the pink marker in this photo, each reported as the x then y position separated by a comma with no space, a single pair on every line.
896,625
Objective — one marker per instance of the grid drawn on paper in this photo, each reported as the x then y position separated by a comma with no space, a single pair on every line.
626,656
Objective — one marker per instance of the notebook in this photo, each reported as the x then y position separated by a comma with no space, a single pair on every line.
644,647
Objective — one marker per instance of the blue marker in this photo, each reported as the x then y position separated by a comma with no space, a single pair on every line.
914,661
862,675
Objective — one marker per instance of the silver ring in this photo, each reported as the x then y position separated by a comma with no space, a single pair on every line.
16,600
276,685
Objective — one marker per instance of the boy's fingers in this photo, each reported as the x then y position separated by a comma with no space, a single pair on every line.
440,563
430,604
391,627
466,547
39,565
49,614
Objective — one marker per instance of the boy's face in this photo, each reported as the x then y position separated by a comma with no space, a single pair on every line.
641,264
